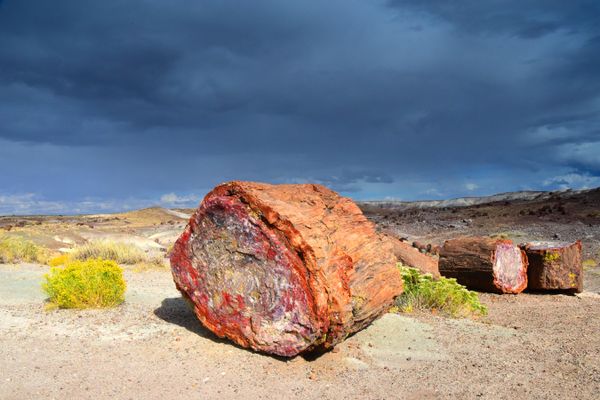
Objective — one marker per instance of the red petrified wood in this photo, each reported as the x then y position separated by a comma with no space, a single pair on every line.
283,269
485,264
554,266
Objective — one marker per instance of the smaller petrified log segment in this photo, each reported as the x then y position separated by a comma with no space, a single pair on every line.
412,257
485,264
554,266
284,269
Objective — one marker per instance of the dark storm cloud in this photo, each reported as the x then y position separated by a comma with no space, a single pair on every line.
375,98
529,20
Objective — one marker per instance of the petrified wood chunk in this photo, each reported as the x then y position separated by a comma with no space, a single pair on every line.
485,264
412,257
284,268
554,266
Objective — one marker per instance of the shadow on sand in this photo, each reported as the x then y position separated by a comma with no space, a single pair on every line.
175,310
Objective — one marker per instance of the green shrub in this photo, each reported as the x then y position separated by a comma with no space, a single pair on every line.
15,249
422,292
85,284
121,253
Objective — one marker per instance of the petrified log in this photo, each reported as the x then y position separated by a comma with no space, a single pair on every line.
412,257
284,269
485,264
554,266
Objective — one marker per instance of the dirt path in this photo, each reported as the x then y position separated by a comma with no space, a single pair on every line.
152,347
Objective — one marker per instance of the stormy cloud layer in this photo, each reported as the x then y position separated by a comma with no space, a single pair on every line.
122,104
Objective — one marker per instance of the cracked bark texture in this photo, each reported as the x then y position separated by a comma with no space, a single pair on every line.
555,266
284,269
485,264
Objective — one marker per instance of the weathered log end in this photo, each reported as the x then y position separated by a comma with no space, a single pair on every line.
485,264
283,269
244,279
555,266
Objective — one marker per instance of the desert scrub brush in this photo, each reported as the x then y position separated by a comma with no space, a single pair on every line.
93,283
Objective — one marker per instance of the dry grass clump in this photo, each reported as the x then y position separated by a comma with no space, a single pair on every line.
121,253
152,261
94,283
445,295
15,249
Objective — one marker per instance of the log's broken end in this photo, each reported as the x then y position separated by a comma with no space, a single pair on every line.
245,281
509,268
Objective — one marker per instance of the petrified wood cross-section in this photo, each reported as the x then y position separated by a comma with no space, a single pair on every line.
554,266
485,264
283,268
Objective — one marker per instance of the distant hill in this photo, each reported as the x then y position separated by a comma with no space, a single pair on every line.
512,197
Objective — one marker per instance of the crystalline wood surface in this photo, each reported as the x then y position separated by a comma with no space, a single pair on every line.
284,268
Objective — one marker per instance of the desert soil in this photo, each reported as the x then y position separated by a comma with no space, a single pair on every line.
152,347
530,346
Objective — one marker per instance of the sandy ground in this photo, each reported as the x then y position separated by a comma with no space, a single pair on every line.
152,347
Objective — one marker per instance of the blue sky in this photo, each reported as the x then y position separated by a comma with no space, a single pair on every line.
114,105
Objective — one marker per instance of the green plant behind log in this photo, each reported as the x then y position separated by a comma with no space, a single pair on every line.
422,292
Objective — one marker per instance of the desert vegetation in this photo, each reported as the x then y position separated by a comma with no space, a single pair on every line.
15,249
121,253
445,295
93,283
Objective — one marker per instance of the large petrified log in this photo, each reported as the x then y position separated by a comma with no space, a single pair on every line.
283,269
485,264
554,266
